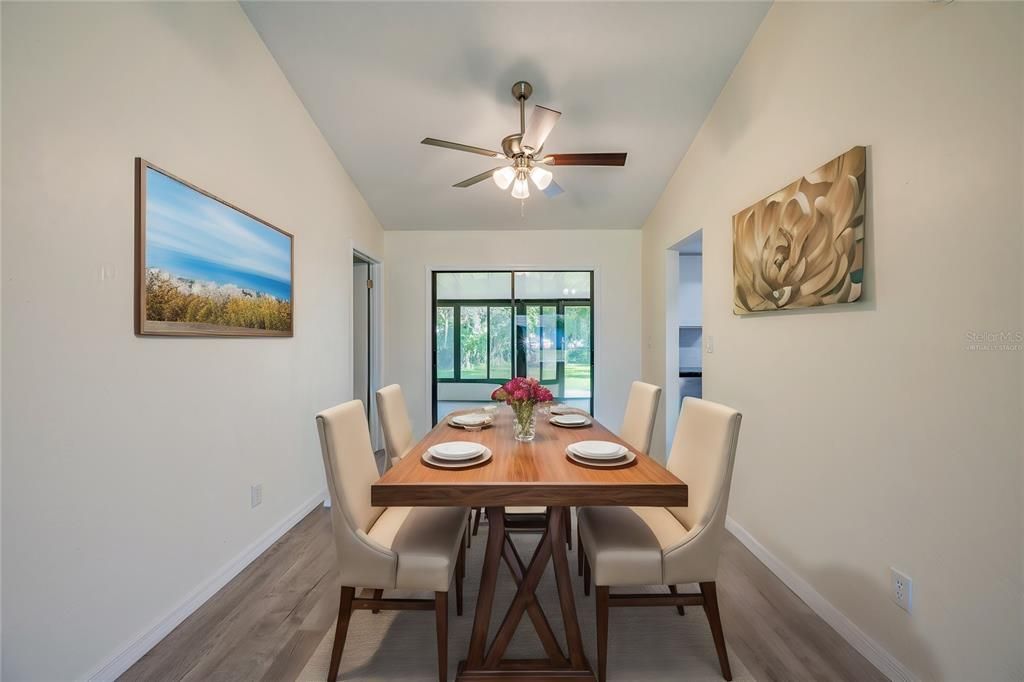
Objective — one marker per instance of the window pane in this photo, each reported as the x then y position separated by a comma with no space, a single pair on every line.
549,343
532,341
473,342
445,326
552,285
577,352
501,343
476,286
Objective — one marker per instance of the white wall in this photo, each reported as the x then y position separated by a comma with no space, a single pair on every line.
871,436
690,290
614,254
128,461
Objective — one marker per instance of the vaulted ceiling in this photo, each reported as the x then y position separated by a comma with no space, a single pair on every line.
633,77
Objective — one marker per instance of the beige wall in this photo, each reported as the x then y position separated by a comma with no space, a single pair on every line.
872,437
614,254
128,461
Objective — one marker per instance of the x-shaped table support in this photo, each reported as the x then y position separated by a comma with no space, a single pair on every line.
489,664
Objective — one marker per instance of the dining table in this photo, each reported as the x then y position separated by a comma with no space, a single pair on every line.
536,473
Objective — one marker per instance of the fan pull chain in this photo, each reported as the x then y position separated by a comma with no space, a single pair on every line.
522,208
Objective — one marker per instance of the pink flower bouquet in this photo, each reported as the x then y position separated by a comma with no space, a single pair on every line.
522,394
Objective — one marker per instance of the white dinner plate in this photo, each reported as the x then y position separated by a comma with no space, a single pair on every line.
430,460
627,458
597,449
562,409
473,419
456,450
569,420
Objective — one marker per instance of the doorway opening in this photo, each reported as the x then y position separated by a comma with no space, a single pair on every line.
489,326
366,337
684,365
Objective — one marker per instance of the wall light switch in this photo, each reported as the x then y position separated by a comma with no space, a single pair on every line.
256,495
709,344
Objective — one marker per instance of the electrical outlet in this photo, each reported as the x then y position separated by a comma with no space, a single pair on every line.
902,590
256,495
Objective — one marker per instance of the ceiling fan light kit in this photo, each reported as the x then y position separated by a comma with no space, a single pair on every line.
504,176
523,150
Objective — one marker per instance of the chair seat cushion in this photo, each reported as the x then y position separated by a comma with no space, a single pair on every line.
427,542
625,545
526,510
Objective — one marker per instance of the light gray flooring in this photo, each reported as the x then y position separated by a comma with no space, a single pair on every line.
267,622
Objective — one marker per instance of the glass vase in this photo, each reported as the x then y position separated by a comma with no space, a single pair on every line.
524,426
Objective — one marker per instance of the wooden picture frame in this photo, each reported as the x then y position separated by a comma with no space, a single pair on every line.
230,301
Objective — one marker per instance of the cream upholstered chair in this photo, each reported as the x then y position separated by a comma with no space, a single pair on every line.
637,427
641,410
392,548
633,546
395,422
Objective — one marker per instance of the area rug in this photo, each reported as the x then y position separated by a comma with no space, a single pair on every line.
644,644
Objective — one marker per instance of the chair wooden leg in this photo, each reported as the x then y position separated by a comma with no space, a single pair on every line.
460,573
441,615
476,522
602,633
579,553
681,609
586,577
377,594
467,540
340,631
568,527
710,594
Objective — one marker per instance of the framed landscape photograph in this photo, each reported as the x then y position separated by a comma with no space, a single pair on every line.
204,267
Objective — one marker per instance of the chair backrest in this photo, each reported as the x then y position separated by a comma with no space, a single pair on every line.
351,470
394,420
703,452
641,411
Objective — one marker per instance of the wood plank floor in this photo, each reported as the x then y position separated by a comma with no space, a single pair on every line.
266,623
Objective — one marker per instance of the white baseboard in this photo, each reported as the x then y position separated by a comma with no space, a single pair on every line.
138,647
886,663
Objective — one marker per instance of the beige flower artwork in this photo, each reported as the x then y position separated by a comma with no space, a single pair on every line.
804,245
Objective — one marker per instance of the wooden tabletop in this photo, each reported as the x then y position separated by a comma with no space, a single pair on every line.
536,473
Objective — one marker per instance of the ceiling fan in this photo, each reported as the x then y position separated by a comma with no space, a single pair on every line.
525,152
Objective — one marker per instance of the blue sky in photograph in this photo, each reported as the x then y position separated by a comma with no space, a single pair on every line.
193,236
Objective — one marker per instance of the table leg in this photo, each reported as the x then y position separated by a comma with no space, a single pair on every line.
488,581
489,664
573,636
533,610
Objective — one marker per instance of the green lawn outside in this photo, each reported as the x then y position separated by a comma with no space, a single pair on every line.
577,380
577,376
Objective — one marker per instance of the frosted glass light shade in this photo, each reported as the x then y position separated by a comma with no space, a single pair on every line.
520,189
541,177
503,177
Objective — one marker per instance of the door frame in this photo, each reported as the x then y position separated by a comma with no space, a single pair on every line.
430,395
673,383
376,344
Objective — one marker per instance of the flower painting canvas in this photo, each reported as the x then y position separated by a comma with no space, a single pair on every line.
205,267
804,245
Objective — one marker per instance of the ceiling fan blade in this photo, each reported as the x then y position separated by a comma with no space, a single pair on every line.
553,190
476,178
610,159
462,147
542,120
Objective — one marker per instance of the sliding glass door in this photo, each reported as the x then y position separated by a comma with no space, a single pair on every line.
491,326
